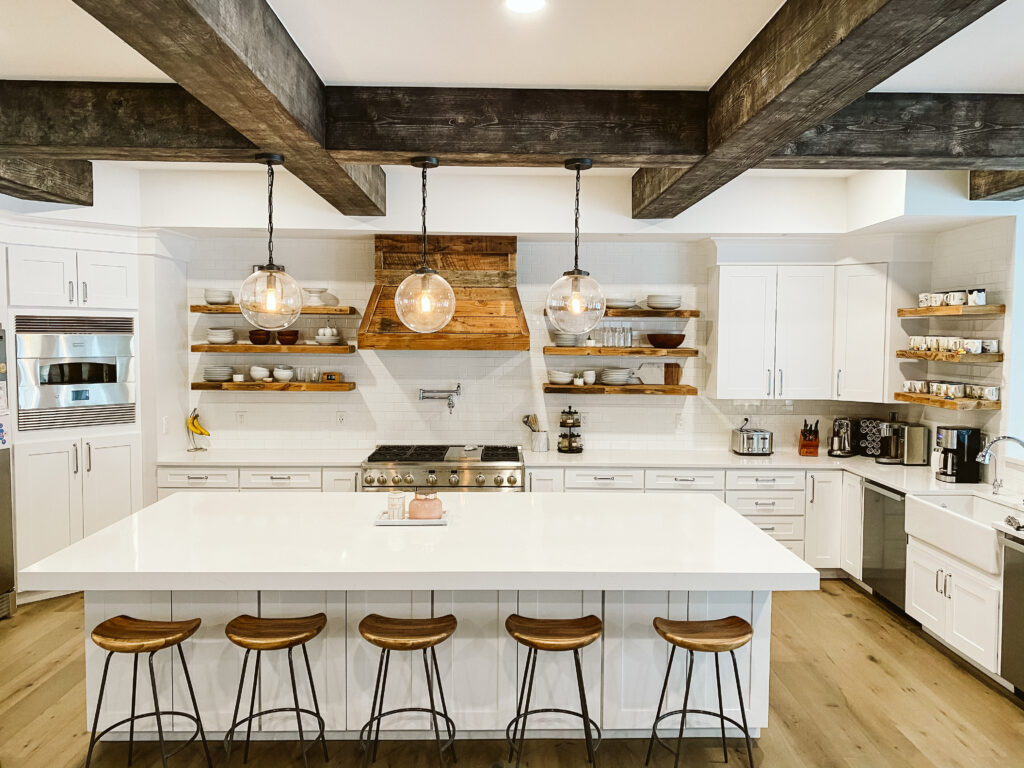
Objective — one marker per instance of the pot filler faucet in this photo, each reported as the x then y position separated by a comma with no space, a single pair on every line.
442,394
986,456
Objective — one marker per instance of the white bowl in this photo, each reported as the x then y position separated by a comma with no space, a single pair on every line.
258,372
280,375
619,303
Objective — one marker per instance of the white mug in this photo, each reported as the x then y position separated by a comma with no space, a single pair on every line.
955,298
990,346
977,297
924,299
936,299
932,343
990,393
972,346
955,390
539,442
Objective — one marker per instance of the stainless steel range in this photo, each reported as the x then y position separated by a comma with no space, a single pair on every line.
444,468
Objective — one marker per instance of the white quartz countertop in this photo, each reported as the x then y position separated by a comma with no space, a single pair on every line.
545,541
276,458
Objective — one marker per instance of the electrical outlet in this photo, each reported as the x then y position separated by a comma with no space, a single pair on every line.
680,420
239,418
339,418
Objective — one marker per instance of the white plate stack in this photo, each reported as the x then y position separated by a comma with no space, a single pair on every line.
619,303
559,377
615,377
664,300
563,339
220,336
218,296
218,373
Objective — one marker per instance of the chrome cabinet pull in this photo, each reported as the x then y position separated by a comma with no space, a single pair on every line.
197,477
280,477
764,503
531,480
813,478
769,392
938,578
766,527
74,447
945,586
88,457
765,479
779,391
85,292
685,479
71,291
839,373
601,478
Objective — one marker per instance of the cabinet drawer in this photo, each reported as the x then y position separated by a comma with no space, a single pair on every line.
293,477
684,479
341,480
626,479
743,479
796,547
766,503
197,477
784,528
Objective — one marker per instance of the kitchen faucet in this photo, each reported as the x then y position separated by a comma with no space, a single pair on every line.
442,394
986,456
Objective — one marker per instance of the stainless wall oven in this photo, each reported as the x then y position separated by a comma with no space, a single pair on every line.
75,371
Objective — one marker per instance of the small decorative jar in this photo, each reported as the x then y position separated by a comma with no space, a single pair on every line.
425,506
396,505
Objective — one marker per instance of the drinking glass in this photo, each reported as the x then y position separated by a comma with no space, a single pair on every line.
314,374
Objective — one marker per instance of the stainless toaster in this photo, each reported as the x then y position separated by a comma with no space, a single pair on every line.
747,441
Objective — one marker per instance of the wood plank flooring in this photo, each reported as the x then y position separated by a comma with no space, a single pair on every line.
853,686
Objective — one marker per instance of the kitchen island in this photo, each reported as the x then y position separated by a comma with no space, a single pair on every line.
626,557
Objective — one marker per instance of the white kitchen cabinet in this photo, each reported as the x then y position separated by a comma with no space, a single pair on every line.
764,480
803,332
823,529
604,479
545,480
780,527
851,545
67,489
684,480
742,345
61,277
289,479
341,479
956,602
861,323
197,478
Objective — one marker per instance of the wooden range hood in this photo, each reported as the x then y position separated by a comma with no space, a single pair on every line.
481,271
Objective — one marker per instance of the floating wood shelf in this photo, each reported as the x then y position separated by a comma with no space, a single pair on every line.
641,312
620,351
276,349
275,386
958,404
961,311
625,389
949,357
234,309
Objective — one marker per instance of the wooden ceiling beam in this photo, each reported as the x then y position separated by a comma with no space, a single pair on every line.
809,61
51,181
997,185
237,58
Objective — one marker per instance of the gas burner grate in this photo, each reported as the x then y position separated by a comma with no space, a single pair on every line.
499,453
393,453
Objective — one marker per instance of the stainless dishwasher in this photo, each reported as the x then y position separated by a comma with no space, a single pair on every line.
1012,667
885,543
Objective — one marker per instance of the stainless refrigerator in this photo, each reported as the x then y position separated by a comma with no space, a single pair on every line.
6,503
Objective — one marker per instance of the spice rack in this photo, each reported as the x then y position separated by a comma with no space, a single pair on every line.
569,442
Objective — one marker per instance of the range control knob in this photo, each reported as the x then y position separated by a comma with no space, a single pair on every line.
396,480
368,478
431,479
453,479
408,478
498,480
381,480
512,480
480,479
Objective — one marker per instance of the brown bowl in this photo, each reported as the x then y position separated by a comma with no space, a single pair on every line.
259,336
287,337
666,340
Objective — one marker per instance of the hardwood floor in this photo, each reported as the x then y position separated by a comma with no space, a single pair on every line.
853,686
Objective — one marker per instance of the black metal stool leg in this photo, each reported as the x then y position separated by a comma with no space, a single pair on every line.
96,715
686,703
229,739
444,706
721,708
433,708
383,686
195,707
661,704
519,706
526,709
366,746
298,714
591,757
316,704
252,706
743,711
131,726
156,708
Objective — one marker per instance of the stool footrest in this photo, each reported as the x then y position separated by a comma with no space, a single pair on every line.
548,710
163,713
364,740
673,713
229,737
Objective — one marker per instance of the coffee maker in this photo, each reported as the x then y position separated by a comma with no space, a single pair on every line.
842,438
960,447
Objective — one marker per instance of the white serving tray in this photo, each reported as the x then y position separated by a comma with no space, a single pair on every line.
382,519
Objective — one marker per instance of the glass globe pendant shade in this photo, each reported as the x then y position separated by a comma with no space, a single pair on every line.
270,299
424,301
575,303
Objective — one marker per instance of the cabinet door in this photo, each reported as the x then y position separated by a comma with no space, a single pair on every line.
860,333
344,480
111,480
108,280
824,524
972,618
746,332
803,333
925,601
47,498
545,480
851,546
42,277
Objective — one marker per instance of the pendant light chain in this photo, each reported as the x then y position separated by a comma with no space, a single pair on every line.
576,259
270,212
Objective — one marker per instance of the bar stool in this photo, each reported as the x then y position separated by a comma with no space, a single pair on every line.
551,635
264,634
715,636
123,634
389,635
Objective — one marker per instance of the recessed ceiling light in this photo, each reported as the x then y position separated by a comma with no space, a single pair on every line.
524,6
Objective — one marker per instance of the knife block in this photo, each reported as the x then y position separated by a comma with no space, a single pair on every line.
808,447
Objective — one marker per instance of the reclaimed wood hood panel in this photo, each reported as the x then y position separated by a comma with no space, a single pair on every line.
482,273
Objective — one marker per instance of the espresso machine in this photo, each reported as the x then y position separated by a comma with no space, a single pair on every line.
842,438
960,447
901,443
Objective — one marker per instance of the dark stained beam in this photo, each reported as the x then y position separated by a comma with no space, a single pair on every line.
51,181
914,131
514,126
997,185
809,61
113,121
238,59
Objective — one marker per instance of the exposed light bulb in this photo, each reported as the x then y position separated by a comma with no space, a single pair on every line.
525,6
426,305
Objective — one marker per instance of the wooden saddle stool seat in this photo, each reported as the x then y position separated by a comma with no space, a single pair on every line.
407,634
272,634
715,636
554,634
124,634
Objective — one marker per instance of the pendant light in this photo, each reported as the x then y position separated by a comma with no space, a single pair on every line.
576,302
424,301
270,298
